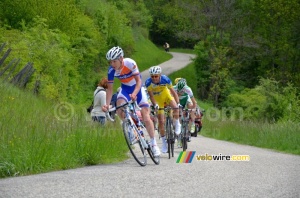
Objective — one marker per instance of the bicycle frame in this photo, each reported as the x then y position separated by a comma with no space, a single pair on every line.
169,131
137,128
185,119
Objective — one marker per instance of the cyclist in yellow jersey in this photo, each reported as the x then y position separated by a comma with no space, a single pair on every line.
161,93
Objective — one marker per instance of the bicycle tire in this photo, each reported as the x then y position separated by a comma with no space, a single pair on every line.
184,137
137,150
155,159
170,137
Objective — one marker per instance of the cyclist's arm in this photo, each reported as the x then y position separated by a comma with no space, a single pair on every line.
151,97
137,86
194,102
173,92
109,93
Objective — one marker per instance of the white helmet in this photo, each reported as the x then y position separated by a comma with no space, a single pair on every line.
114,53
155,70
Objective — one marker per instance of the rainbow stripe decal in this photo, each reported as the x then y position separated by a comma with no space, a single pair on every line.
186,157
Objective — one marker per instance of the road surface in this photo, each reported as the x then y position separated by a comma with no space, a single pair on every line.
178,61
266,173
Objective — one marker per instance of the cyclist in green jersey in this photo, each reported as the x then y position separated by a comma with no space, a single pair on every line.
186,99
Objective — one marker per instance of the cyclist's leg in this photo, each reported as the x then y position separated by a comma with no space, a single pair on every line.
160,101
142,101
122,98
176,116
192,116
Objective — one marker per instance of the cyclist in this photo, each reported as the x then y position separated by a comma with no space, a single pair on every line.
128,73
187,99
161,92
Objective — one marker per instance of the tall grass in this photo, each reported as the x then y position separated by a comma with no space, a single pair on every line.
37,137
284,137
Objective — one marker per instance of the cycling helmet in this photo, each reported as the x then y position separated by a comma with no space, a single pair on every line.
114,53
155,70
176,80
181,84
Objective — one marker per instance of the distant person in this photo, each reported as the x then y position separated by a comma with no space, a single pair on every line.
99,100
167,47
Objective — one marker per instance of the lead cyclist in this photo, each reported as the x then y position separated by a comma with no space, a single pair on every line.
186,99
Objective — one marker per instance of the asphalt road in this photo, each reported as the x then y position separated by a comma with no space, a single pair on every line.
178,61
266,174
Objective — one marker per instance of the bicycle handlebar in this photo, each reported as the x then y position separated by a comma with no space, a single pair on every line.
120,106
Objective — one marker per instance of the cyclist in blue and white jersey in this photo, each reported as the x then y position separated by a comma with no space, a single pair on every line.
126,70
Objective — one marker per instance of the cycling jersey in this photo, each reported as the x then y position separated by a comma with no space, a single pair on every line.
161,92
126,75
184,95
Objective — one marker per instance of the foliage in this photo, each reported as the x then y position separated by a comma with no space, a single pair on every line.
260,36
268,101
60,14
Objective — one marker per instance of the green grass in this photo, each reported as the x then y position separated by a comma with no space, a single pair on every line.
283,137
37,137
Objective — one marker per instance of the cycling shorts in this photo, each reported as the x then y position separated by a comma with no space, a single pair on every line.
142,99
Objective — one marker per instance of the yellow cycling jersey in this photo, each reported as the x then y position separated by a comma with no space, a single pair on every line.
160,88
161,92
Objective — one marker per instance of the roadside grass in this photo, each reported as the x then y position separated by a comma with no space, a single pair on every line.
37,137
147,54
283,137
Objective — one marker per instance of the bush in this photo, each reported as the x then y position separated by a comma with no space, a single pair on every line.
268,100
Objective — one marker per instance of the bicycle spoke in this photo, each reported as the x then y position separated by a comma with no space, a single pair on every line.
136,149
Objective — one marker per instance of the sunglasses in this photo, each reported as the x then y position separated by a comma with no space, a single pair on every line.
154,76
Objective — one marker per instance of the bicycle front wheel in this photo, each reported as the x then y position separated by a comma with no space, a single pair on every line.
170,137
155,159
136,148
184,137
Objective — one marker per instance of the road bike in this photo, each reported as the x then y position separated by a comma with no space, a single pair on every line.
198,120
169,130
134,130
184,134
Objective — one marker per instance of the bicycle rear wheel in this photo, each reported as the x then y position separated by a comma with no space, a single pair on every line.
137,150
